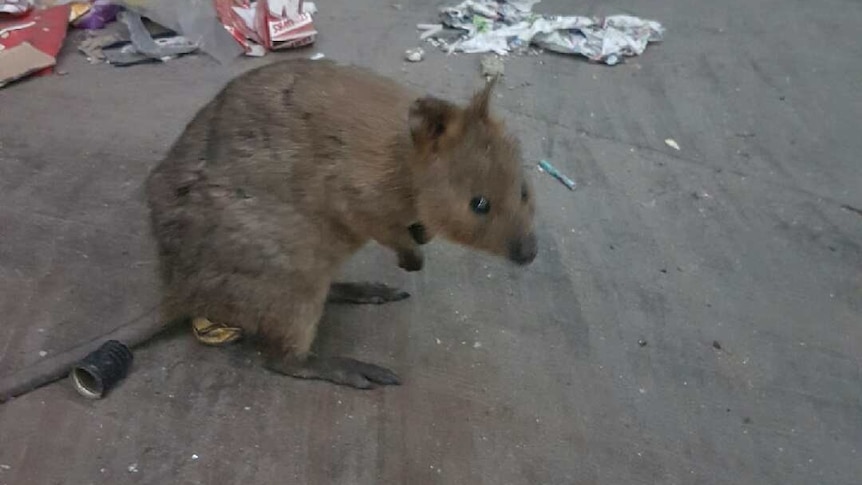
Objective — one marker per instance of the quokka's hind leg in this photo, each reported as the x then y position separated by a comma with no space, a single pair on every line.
287,339
364,293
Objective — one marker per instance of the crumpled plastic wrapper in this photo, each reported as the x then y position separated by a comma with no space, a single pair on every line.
511,26
97,15
195,20
15,7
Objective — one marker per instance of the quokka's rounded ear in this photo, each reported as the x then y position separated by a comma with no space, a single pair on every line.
429,119
480,104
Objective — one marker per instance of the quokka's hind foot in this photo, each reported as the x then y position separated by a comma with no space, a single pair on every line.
339,370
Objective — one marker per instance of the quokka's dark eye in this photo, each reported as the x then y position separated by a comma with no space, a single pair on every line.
480,205
525,194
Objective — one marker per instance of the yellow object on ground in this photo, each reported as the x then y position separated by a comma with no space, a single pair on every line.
215,334
78,9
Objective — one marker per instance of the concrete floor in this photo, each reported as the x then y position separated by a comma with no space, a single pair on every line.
512,376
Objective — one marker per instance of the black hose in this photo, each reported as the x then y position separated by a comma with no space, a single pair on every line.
132,333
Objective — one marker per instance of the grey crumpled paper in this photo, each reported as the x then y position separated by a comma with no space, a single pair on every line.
196,20
506,26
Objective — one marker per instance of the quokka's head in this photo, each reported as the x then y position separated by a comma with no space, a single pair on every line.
470,185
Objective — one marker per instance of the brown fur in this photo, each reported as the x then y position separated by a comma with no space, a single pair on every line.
295,166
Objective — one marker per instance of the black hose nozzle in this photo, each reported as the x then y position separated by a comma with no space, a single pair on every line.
102,369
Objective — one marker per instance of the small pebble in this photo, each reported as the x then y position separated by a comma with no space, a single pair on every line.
642,342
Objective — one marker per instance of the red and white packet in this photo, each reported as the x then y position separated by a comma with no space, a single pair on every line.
273,24
284,24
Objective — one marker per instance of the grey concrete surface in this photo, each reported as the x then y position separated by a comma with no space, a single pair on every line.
512,376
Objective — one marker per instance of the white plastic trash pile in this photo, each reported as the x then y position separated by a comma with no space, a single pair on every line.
506,26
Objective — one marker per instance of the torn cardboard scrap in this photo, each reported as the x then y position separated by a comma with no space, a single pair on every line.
42,31
504,26
22,60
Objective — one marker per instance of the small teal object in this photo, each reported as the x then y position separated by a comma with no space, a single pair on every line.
553,172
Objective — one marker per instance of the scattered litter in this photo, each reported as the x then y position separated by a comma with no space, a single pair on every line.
429,30
195,20
21,26
93,46
716,345
133,468
101,369
78,10
268,24
214,334
438,341
247,408
15,7
5,467
642,343
852,209
143,47
477,345
546,167
288,25
414,55
672,143
492,66
317,56
20,61
29,39
43,353
504,26
194,456
98,14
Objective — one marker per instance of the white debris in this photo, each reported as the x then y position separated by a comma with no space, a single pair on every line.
414,55
5,467
194,456
429,30
504,26
133,468
477,345
317,56
672,143
309,7
42,353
